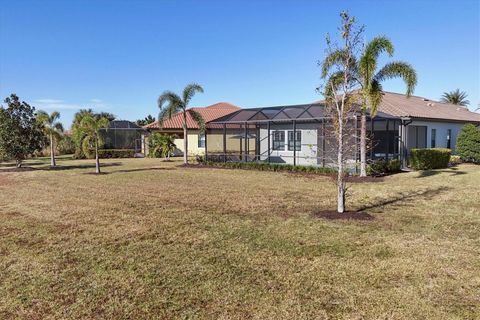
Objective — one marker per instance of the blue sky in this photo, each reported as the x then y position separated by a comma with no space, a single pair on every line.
118,56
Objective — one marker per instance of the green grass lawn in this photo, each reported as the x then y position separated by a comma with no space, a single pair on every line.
149,240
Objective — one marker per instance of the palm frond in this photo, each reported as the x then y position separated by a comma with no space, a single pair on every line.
197,117
334,58
368,60
399,70
456,97
332,85
190,91
169,103
375,97
42,116
54,116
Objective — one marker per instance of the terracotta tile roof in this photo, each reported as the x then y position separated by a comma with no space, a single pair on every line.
209,113
399,105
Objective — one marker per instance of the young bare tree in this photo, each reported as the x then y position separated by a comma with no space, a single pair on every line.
338,73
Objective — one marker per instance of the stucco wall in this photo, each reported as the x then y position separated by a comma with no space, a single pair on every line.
441,135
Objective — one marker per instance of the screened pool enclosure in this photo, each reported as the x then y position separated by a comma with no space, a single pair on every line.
123,135
298,135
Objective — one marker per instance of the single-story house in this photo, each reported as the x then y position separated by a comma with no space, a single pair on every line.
299,134
196,140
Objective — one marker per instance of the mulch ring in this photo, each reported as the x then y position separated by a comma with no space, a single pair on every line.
347,215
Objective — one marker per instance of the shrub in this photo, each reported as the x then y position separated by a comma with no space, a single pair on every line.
455,160
394,165
468,143
161,145
425,159
377,168
112,153
264,166
66,145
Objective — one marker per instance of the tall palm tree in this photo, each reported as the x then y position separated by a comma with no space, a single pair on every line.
456,97
52,129
90,127
371,88
170,103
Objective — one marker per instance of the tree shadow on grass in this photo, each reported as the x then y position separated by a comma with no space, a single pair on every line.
140,169
428,173
406,198
58,167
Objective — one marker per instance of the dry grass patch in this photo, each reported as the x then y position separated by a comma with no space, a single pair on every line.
151,240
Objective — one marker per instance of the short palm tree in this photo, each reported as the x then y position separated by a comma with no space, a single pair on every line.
52,129
167,143
90,127
371,88
170,103
456,97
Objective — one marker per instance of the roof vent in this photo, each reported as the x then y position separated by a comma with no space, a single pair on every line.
430,104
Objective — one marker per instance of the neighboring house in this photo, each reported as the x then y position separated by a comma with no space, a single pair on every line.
196,140
301,134
123,134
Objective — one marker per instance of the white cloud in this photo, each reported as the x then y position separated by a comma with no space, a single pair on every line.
57,104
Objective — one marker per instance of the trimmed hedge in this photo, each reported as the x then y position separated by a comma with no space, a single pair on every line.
263,166
112,153
433,158
468,143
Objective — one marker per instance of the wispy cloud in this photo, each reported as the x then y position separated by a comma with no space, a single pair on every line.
57,104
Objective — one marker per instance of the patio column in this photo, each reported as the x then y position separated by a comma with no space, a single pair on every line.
371,137
323,143
388,140
294,143
206,145
246,142
268,141
224,142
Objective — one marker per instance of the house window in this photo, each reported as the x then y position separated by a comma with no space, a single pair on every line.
297,142
278,140
433,141
201,140
449,138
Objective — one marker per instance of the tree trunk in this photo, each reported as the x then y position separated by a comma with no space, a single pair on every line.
363,145
185,139
340,174
18,163
97,160
52,152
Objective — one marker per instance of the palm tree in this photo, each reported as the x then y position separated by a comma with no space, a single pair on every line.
167,143
370,84
456,97
90,127
53,129
175,104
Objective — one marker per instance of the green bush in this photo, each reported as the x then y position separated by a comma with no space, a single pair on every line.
468,143
394,165
382,167
433,158
66,145
264,166
112,153
455,160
